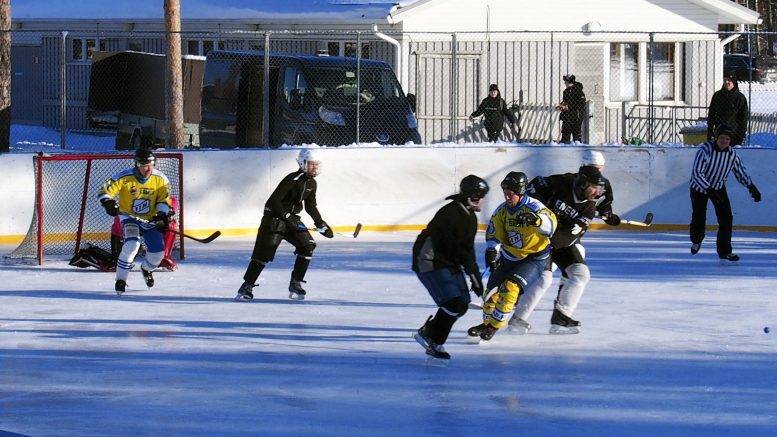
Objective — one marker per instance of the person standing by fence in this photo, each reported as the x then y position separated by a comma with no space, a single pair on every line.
728,107
572,108
494,110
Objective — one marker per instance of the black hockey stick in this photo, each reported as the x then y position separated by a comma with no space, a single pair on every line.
647,222
205,240
354,235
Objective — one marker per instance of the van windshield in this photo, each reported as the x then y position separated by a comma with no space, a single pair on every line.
338,86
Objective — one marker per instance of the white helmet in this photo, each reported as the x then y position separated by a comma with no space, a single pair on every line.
306,157
593,158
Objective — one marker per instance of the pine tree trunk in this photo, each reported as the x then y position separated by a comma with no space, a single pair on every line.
175,131
5,75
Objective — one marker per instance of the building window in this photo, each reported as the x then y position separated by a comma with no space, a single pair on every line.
350,50
82,48
199,47
659,66
624,72
135,45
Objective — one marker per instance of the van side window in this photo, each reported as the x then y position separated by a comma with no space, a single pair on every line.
294,88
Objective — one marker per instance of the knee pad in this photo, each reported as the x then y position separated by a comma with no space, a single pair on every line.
456,307
306,251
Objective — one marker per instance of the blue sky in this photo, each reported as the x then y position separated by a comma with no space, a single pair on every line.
195,8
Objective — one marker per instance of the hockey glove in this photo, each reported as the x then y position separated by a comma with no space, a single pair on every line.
110,207
528,218
477,284
611,219
713,195
754,192
492,259
325,230
161,221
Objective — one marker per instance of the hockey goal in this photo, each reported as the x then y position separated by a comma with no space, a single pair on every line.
67,214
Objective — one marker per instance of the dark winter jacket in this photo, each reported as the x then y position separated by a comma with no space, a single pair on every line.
574,99
292,193
728,108
557,193
448,240
494,111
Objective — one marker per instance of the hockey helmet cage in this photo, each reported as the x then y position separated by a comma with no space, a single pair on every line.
515,181
587,176
144,156
473,187
307,156
593,158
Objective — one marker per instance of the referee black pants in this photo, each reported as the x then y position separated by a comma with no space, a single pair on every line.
722,211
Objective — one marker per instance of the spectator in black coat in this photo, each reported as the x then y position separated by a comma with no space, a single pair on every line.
572,108
728,107
494,110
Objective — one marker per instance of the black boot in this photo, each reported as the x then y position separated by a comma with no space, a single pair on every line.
296,291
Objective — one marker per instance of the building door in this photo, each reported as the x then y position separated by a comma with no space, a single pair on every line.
26,89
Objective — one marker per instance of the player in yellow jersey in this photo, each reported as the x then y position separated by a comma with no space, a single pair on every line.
518,247
142,192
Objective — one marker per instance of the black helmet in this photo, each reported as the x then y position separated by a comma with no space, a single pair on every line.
516,182
587,176
473,187
724,130
144,156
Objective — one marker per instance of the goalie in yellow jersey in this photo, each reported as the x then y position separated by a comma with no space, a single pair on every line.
518,247
144,210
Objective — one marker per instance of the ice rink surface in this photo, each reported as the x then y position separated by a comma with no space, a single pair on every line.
671,344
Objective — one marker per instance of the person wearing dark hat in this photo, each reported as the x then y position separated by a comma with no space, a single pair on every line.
572,108
728,106
443,255
714,160
494,110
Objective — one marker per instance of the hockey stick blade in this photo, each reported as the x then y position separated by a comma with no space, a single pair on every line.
648,221
357,230
205,240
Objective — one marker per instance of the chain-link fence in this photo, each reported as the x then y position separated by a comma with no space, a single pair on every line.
106,90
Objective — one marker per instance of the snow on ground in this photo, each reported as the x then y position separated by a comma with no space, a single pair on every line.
671,343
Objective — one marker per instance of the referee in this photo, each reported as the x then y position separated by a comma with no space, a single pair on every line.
713,162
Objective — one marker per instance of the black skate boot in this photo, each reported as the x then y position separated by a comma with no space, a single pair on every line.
148,277
422,335
245,292
476,330
488,333
729,259
435,350
296,291
121,287
562,324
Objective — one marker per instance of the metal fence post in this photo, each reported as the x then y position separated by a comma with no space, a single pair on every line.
63,91
452,94
266,93
358,84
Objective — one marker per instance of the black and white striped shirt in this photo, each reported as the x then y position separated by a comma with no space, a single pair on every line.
712,166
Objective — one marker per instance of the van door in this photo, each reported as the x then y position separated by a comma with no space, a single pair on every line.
293,117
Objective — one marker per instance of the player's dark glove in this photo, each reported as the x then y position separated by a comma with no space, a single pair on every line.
161,221
528,218
754,192
611,218
110,207
492,259
325,230
713,195
477,284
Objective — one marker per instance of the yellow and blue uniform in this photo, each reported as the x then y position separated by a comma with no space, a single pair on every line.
524,250
138,196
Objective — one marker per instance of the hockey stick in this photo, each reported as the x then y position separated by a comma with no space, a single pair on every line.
354,235
205,240
647,222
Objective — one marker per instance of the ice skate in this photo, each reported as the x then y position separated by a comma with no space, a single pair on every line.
422,335
562,324
245,292
296,291
473,333
728,260
149,278
437,352
488,333
121,287
695,248
518,326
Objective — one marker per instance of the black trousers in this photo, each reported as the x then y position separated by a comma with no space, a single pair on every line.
571,130
722,211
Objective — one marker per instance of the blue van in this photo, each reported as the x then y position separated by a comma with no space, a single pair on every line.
323,100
